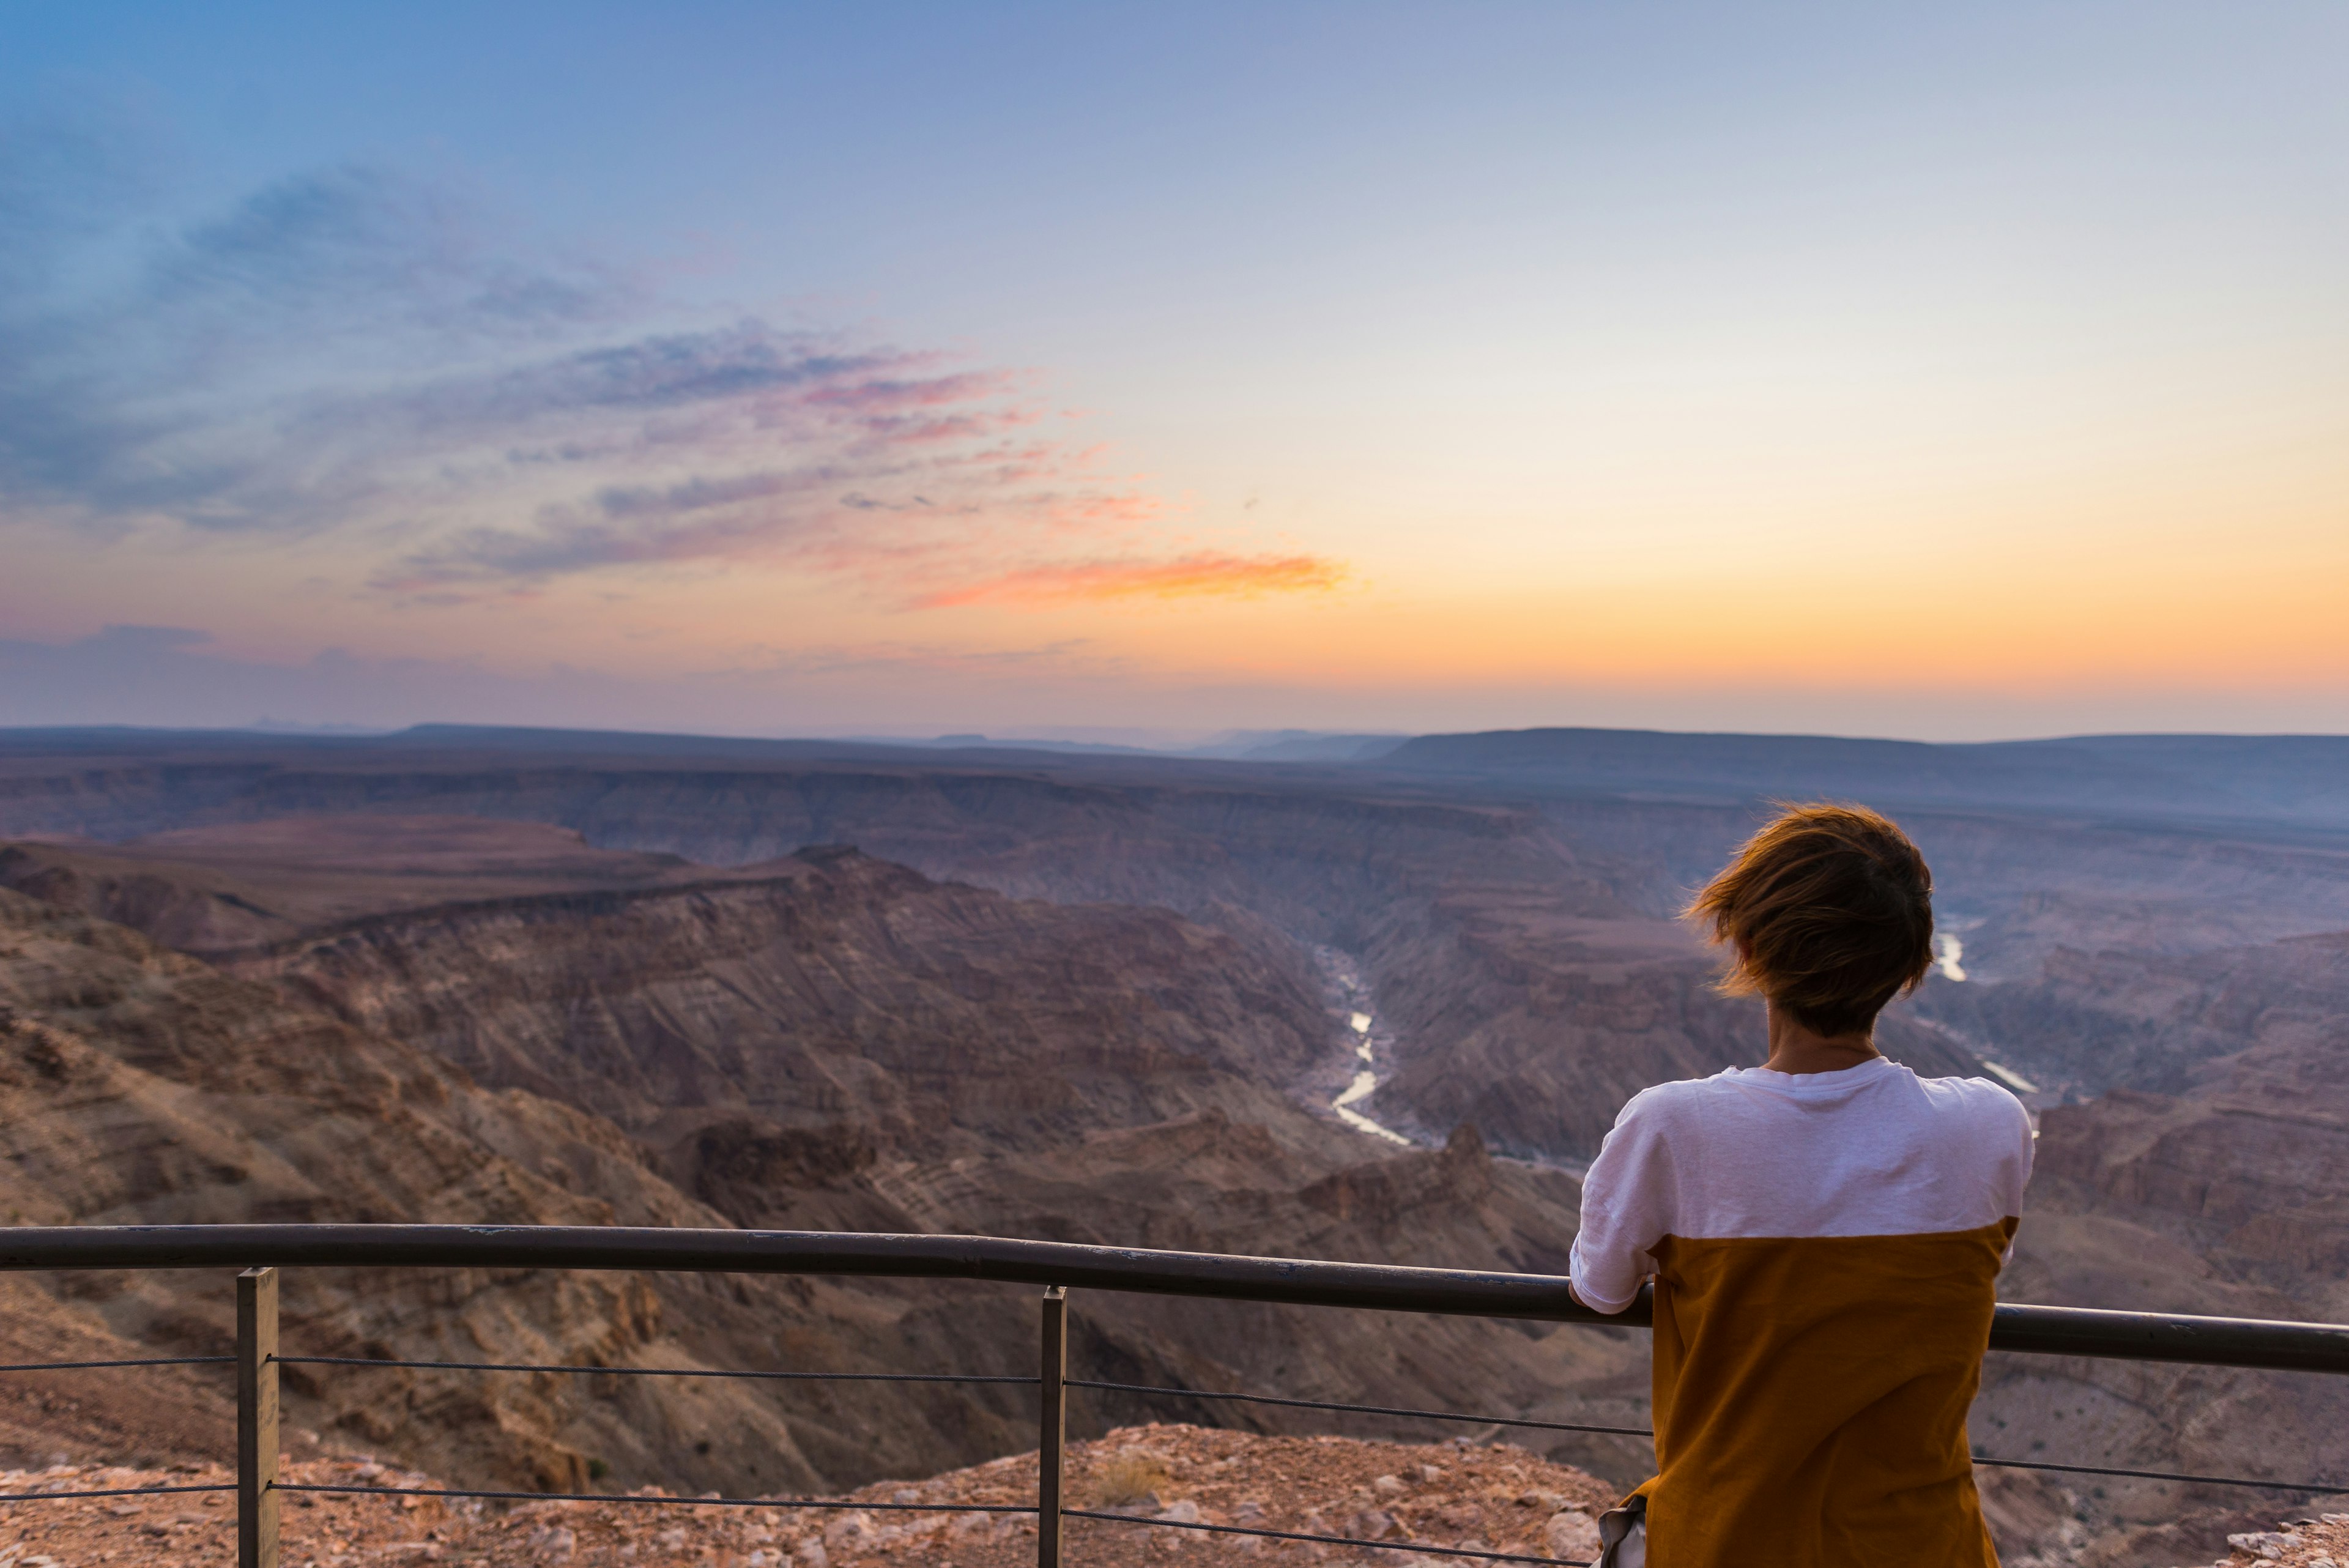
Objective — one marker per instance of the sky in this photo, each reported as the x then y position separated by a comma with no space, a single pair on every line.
1124,370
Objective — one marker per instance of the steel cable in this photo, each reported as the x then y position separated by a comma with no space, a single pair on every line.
139,1361
2167,1476
648,1371
1328,1540
2323,1488
808,1503
1363,1409
114,1491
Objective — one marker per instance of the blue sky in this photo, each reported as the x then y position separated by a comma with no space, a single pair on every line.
1897,370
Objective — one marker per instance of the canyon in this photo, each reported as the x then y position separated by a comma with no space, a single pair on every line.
824,1042
540,975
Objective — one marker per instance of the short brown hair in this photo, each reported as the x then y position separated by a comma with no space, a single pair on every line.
1829,909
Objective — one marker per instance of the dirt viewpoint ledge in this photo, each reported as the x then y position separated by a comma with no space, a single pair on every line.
1439,1494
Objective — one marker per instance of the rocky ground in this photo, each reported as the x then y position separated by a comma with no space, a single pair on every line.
1495,1497
2319,1542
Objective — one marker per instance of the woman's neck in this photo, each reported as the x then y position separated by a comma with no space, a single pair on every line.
1795,1049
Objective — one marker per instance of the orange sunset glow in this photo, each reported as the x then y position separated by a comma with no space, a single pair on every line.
1914,385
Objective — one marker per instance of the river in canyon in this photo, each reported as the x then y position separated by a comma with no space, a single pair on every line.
1949,960
1949,955
1369,1041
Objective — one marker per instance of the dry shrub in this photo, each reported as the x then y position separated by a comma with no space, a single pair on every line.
1129,1479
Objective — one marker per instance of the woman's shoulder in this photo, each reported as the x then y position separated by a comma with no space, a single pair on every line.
1736,1090
1678,1102
1975,1098
1677,1097
1975,1116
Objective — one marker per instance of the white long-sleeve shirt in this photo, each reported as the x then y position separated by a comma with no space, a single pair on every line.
1871,1150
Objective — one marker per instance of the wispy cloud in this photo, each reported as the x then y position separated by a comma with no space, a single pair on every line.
1196,576
358,356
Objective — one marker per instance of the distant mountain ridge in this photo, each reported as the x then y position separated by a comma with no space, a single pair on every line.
2282,781
2302,779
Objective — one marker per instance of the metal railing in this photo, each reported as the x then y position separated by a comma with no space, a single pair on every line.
258,1251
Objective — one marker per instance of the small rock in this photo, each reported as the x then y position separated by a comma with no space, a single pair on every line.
812,1554
849,1534
1430,1474
1572,1535
1376,1524
1388,1486
1182,1512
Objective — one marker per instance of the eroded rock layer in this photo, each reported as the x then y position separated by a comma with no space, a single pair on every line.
1108,1075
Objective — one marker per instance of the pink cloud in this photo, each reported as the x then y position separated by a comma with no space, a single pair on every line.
474,425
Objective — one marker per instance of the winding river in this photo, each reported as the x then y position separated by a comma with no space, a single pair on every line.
1361,1019
1948,954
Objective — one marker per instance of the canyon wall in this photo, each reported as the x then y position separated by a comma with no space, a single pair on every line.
836,1042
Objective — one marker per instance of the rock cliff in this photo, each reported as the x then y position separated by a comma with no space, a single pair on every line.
828,991
836,1042
142,1085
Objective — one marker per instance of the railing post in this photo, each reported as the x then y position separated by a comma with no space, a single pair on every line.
1051,1446
257,1418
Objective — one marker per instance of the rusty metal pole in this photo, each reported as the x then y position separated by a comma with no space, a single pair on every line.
1051,1446
257,1418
